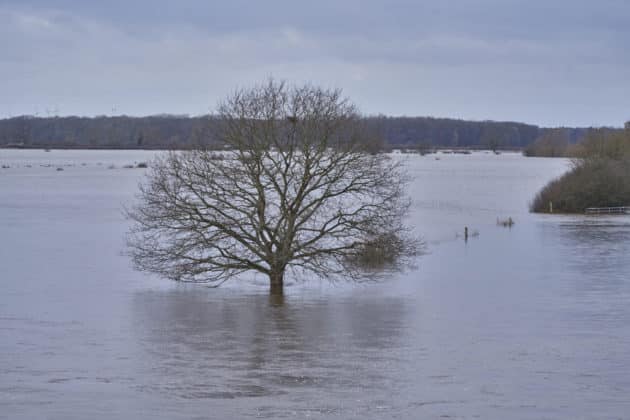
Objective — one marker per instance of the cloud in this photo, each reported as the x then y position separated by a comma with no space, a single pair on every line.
515,60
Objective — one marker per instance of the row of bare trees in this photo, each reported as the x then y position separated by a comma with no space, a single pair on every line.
184,132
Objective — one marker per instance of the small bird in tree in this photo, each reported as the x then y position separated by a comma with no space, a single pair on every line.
295,191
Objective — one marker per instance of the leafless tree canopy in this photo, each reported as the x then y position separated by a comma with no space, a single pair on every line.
294,190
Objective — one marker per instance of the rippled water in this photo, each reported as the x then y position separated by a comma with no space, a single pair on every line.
530,322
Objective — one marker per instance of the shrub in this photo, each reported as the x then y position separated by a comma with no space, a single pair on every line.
600,176
384,251
598,182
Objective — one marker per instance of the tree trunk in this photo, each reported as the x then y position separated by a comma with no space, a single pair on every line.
276,283
276,301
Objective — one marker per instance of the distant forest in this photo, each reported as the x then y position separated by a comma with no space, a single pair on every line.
183,132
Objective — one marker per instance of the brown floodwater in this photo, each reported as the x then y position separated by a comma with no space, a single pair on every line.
531,322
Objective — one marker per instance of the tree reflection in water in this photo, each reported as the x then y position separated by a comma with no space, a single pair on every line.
198,343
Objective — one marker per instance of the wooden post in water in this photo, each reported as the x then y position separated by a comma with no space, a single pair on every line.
550,207
466,233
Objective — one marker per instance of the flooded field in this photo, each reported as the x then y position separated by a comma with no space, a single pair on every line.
530,322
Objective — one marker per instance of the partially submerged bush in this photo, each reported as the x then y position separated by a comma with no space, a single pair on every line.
509,222
599,178
386,251
591,183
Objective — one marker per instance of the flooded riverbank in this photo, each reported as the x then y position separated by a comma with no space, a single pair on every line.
525,322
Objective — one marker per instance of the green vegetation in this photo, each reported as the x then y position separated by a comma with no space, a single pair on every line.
600,176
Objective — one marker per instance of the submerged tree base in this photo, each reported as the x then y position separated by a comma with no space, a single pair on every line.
296,189
597,182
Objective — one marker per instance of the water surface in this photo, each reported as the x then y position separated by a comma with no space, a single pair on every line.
530,322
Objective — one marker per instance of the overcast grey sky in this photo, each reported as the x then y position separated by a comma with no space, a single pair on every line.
548,62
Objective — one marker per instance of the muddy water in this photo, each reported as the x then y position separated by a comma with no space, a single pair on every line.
530,322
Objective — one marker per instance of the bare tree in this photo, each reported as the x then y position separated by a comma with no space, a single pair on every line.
294,190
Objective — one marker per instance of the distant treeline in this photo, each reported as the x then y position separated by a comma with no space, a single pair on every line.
427,132
183,132
121,132
559,142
